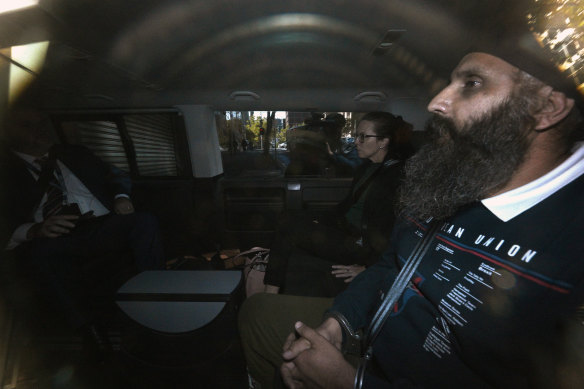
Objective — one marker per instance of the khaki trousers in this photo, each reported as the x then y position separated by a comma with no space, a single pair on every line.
265,320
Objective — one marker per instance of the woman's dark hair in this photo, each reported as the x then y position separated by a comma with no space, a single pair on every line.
396,129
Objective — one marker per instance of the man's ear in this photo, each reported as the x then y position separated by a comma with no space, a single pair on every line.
555,108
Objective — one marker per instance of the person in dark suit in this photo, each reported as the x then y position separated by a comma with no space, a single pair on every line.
62,207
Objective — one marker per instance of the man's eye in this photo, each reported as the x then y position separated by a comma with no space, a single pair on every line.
472,83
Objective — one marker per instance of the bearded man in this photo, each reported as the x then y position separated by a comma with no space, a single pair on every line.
492,301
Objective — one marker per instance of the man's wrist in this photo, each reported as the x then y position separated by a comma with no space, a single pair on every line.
349,339
333,329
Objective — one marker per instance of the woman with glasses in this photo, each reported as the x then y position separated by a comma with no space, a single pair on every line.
318,256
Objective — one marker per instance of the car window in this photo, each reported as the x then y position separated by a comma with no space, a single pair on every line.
293,144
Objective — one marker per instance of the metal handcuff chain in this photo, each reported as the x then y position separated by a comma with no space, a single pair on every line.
394,293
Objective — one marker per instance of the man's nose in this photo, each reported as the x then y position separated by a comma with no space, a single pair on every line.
442,103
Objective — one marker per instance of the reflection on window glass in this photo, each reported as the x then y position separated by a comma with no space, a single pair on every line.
559,25
30,59
13,5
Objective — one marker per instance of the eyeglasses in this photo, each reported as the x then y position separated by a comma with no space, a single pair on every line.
361,137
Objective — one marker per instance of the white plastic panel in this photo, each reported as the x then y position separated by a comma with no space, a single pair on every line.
203,140
171,317
177,316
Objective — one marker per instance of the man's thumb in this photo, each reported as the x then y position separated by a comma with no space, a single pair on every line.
306,332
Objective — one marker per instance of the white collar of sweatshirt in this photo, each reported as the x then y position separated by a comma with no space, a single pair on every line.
512,203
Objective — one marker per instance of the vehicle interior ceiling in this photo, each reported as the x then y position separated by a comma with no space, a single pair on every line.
164,53
249,55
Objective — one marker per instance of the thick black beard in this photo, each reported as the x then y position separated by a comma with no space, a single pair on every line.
459,167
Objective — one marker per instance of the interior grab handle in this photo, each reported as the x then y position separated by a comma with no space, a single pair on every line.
370,96
244,95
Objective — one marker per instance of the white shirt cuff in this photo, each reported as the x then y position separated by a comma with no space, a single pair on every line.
19,235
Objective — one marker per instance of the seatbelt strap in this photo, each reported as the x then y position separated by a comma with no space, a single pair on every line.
397,288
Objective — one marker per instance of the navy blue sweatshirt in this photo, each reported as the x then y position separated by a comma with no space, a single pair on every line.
489,303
